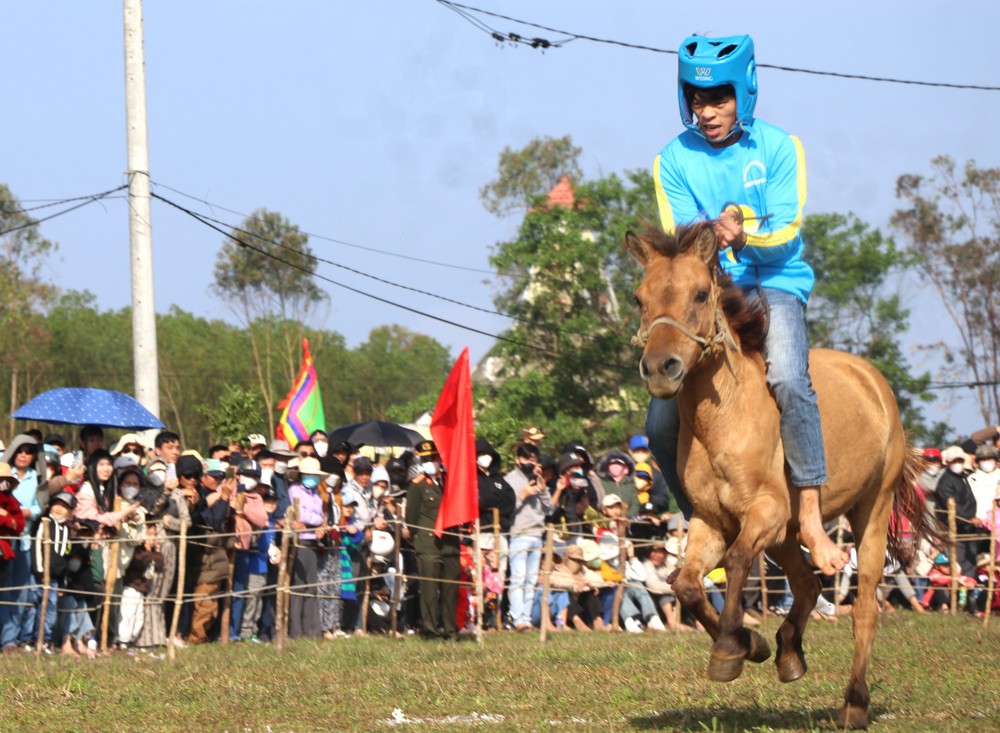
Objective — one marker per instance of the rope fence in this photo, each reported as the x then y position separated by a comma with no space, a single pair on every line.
555,537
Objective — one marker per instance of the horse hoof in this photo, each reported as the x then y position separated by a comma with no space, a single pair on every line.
853,717
791,667
724,669
759,649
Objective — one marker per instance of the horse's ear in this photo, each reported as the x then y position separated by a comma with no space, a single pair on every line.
637,247
706,246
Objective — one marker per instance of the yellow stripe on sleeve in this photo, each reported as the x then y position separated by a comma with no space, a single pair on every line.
790,231
666,215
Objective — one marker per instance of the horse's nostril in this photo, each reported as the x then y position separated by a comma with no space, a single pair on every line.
643,370
672,367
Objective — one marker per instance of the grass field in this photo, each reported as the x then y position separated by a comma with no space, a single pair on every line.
929,674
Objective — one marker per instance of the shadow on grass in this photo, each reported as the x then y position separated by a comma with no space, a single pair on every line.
740,719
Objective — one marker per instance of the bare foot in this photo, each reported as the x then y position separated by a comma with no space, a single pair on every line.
824,553
68,649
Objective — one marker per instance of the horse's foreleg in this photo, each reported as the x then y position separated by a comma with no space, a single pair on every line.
763,523
805,587
705,547
870,527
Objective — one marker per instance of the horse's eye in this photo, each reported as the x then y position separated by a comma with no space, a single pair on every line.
701,296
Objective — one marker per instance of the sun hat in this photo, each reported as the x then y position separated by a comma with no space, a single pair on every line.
672,546
309,466
611,500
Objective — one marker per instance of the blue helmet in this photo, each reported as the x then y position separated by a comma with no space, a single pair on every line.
711,62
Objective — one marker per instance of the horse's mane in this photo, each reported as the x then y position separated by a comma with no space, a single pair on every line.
746,316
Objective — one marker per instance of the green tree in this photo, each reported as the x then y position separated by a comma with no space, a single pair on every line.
23,296
237,412
567,363
263,291
529,172
852,309
951,219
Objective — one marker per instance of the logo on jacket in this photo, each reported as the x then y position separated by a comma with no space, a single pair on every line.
755,174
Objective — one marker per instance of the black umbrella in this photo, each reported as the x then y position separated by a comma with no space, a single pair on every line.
376,433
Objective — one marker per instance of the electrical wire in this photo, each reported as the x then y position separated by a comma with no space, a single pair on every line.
311,235
87,200
543,43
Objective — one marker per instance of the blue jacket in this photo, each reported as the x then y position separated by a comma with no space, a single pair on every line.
764,173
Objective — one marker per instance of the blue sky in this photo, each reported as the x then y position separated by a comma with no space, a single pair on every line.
376,123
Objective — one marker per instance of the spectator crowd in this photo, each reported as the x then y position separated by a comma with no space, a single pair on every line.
191,547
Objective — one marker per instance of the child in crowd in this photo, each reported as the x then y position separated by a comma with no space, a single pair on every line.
81,589
59,512
940,580
147,562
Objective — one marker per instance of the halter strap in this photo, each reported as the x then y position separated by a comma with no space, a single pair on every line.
722,334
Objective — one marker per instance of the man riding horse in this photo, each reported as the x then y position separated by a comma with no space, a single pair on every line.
748,177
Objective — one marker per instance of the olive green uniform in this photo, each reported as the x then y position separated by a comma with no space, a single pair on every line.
437,558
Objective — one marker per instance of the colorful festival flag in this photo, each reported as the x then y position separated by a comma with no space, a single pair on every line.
455,437
302,408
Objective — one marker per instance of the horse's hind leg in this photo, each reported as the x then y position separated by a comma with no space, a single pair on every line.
869,523
763,523
805,586
705,548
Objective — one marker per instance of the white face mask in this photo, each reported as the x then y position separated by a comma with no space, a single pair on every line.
957,467
280,467
378,491
934,469
130,492
265,475
248,483
484,461
429,468
987,466
321,447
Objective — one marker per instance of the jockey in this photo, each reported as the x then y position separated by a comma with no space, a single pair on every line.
749,177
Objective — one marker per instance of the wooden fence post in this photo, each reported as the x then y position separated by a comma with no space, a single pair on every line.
546,581
46,561
179,595
991,583
953,554
620,590
477,552
280,619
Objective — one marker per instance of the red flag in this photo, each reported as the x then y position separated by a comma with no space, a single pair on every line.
455,438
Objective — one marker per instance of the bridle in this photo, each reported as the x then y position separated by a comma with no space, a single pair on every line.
710,344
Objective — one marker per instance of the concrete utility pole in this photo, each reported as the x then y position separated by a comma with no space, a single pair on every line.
144,353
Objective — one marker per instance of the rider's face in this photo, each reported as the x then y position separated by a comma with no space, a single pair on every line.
716,117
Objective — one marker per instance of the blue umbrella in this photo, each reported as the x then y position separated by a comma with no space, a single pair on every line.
87,406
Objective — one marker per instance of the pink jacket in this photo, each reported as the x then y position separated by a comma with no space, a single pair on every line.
86,508
253,517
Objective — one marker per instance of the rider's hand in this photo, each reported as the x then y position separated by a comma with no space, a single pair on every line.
728,229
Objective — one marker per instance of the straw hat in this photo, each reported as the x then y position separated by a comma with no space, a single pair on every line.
309,466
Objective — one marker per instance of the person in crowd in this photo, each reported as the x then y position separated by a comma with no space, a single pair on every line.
654,503
59,513
129,445
660,564
438,561
494,493
981,594
16,612
532,435
268,555
574,499
954,484
167,445
352,565
255,444
615,470
282,453
57,441
207,561
12,521
310,527
80,586
938,594
91,440
985,481
96,496
533,504
359,488
930,474
146,564
249,520
320,443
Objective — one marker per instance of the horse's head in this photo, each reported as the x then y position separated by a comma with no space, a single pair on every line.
679,297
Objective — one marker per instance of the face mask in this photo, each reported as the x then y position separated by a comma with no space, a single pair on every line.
641,456
594,564
280,467
987,466
265,475
75,564
130,492
484,461
58,520
378,491
957,468
250,483
934,469
641,483
429,468
321,448
310,482
578,482
528,469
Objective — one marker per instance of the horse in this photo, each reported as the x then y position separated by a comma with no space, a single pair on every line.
702,342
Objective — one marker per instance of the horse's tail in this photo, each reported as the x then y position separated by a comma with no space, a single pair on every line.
910,504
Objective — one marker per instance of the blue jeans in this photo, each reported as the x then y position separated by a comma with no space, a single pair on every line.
241,580
16,621
525,559
558,602
787,354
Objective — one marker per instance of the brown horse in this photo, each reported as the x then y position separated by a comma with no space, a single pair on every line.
702,342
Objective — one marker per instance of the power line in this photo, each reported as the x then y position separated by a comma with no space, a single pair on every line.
86,200
465,10
411,258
